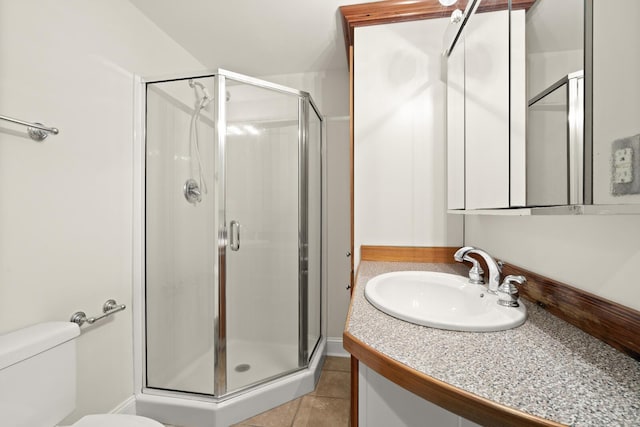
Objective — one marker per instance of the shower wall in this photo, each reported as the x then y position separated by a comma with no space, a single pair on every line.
181,250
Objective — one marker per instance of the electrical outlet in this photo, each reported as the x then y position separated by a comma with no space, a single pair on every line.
625,166
623,175
623,156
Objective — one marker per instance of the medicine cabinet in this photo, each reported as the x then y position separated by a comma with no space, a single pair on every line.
542,111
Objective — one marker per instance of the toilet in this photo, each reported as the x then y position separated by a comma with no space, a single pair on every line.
38,379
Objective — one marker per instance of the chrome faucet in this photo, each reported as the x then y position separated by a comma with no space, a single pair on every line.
494,267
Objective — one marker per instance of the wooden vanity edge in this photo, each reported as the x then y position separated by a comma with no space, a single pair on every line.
456,400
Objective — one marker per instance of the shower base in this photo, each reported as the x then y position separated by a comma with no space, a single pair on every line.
263,361
248,362
201,411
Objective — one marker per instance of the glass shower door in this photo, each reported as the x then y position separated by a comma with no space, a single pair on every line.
259,244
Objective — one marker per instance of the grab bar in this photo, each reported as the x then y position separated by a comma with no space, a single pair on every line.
110,307
37,131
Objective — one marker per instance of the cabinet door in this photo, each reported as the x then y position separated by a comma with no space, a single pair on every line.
487,111
518,110
455,127
381,403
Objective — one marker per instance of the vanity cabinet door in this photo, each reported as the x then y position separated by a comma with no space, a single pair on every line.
487,111
382,403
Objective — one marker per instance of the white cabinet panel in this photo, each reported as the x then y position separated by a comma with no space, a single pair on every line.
487,111
381,403
455,128
518,82
486,107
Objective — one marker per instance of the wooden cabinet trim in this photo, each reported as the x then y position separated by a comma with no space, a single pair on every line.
389,11
438,254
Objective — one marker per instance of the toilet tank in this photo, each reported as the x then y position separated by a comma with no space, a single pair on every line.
38,374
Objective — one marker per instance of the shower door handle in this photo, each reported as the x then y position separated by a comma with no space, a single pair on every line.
234,235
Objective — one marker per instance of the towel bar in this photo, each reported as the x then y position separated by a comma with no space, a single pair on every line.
110,307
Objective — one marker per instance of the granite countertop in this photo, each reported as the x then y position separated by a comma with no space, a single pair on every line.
546,367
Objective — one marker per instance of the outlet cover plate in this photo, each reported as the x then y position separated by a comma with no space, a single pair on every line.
625,166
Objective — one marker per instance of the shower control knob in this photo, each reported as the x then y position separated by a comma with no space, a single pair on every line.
191,191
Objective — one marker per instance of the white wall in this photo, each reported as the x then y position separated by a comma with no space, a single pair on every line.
66,217
338,163
616,90
399,119
330,91
599,254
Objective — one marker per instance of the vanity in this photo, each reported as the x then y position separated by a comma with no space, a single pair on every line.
499,192
543,373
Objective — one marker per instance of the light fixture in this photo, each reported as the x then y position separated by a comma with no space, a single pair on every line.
448,2
456,16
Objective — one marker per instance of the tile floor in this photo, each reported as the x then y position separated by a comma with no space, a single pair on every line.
326,406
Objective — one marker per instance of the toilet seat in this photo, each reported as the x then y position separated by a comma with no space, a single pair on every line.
116,420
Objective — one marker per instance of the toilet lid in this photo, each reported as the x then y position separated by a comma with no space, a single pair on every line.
116,420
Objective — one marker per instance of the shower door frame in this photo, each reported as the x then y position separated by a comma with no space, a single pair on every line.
220,367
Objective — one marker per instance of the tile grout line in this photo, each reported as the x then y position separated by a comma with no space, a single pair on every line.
293,421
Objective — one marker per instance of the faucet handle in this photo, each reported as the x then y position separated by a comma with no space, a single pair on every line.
476,273
508,292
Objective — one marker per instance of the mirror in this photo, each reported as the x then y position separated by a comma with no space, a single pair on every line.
574,134
554,41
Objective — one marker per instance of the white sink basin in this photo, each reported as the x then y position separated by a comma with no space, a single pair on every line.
441,300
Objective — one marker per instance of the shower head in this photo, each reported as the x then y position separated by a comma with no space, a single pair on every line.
206,97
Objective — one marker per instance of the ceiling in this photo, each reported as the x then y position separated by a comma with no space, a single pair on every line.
255,37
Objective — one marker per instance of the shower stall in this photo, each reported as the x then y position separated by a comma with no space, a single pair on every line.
232,236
